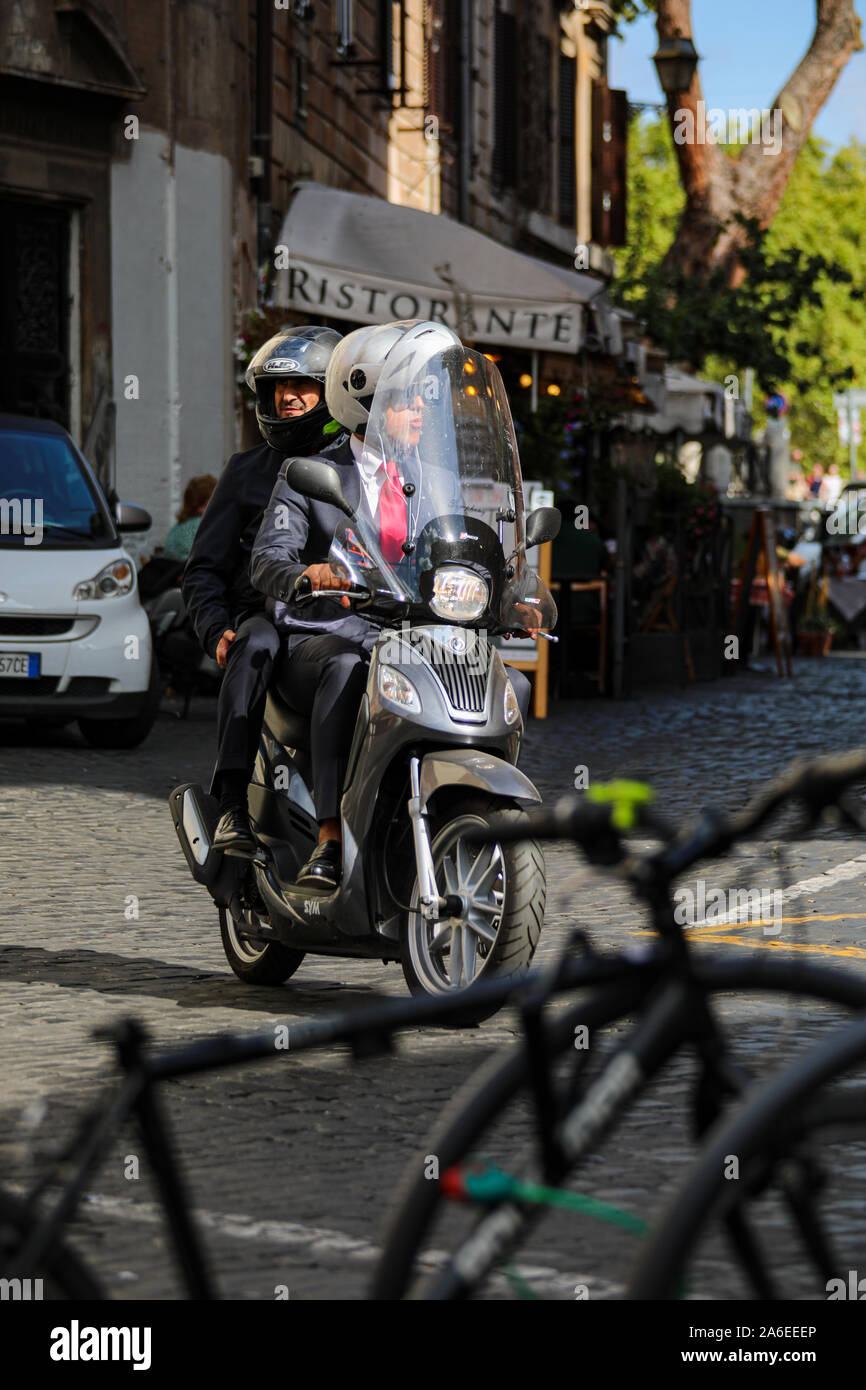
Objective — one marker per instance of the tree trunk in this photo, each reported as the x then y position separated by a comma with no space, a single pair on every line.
717,185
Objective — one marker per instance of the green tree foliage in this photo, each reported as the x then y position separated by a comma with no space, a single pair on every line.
798,318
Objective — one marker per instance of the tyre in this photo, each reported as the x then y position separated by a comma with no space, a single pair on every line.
256,962
503,887
491,1098
126,733
62,1273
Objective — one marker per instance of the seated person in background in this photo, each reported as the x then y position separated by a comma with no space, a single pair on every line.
197,494
652,575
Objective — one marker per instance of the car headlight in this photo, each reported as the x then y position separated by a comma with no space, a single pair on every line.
458,594
510,707
115,580
397,688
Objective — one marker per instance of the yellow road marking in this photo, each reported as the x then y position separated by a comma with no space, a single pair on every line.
853,952
715,936
738,926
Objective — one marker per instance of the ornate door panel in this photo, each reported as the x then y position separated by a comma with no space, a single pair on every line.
34,309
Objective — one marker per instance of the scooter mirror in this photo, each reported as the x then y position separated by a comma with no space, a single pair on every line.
317,479
542,525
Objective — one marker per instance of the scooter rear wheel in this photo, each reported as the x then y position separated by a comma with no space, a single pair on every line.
256,962
504,888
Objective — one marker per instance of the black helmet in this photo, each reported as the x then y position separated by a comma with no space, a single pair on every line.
294,352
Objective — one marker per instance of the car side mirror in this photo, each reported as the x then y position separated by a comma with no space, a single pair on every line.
129,517
542,525
316,479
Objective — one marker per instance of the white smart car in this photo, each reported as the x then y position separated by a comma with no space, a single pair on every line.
75,641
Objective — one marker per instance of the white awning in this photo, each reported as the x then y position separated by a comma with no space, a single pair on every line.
351,256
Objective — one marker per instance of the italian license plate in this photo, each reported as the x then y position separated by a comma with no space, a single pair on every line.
19,665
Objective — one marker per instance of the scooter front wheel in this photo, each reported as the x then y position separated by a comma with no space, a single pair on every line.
256,962
503,893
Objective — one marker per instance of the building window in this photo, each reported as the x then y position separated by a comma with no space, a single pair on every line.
299,87
566,200
504,159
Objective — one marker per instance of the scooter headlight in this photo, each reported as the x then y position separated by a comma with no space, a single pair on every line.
458,594
115,580
510,707
398,689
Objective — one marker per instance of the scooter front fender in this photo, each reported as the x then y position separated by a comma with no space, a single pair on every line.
466,767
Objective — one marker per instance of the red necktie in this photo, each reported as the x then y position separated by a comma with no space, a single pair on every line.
392,514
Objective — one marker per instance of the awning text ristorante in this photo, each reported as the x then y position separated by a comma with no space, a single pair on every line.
364,298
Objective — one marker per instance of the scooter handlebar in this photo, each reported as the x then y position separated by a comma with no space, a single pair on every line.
302,591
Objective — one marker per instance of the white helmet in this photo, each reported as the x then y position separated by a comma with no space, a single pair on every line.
357,361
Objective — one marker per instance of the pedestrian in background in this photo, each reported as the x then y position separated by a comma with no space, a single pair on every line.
197,494
831,486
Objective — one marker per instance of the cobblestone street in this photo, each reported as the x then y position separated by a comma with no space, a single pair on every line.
295,1161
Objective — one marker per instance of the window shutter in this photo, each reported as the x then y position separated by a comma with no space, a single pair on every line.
609,136
504,162
567,211
443,60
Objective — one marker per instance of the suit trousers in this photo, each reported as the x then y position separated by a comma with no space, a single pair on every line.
244,689
328,679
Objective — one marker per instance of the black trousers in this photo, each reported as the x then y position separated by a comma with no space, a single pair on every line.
328,679
242,696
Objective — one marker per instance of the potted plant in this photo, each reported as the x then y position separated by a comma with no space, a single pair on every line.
815,635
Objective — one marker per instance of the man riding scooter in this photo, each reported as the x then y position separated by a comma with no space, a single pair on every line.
329,649
287,375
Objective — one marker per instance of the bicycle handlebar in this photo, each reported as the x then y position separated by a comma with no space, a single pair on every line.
820,782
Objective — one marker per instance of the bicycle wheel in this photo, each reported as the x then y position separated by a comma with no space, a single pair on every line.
795,1146
486,1096
60,1274
496,1105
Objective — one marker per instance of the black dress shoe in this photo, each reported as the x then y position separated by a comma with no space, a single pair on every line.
324,866
233,834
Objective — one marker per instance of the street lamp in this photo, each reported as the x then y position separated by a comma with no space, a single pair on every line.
676,61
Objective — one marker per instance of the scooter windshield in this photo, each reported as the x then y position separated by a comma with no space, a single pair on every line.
440,521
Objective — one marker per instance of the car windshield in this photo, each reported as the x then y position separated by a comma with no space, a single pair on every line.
46,498
441,486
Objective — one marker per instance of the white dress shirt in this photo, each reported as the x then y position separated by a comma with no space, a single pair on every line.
372,473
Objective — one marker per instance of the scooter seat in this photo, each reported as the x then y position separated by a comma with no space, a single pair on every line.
292,730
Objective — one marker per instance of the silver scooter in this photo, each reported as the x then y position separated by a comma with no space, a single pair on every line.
437,735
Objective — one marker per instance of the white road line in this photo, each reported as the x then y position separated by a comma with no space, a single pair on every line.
321,1241
851,868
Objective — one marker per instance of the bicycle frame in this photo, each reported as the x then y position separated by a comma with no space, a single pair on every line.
676,1013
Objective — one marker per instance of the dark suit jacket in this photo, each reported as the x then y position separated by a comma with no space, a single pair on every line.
297,531
216,583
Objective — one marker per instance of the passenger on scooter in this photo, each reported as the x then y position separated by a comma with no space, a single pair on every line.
330,648
287,375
